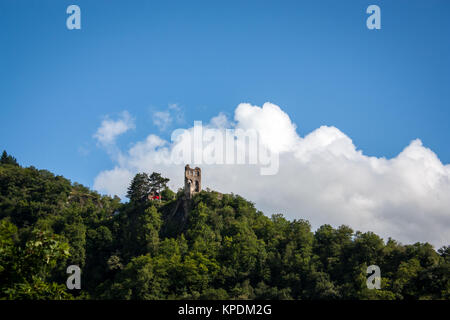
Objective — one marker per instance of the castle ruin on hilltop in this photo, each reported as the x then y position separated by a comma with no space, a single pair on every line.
192,181
179,214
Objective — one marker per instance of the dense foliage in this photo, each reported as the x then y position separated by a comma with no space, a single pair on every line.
227,249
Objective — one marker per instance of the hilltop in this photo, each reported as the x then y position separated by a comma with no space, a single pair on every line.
224,249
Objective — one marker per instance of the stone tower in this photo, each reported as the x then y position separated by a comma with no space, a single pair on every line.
192,181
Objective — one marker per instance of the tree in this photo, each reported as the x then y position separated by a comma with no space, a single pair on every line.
157,182
139,188
149,226
226,248
8,159
444,252
143,278
26,270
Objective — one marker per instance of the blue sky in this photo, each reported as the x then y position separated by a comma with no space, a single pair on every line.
315,59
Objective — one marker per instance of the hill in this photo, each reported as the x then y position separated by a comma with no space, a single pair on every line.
226,249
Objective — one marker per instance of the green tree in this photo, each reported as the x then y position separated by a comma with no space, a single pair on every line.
8,159
148,233
139,188
224,249
157,182
26,270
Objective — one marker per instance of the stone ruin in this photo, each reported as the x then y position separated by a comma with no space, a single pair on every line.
178,216
192,181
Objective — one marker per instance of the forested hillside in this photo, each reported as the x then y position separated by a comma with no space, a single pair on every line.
226,250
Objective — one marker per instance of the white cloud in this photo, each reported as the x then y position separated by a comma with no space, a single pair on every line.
109,129
322,178
162,119
177,112
114,179
220,121
275,128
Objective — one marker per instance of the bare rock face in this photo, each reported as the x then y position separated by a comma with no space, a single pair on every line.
179,215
